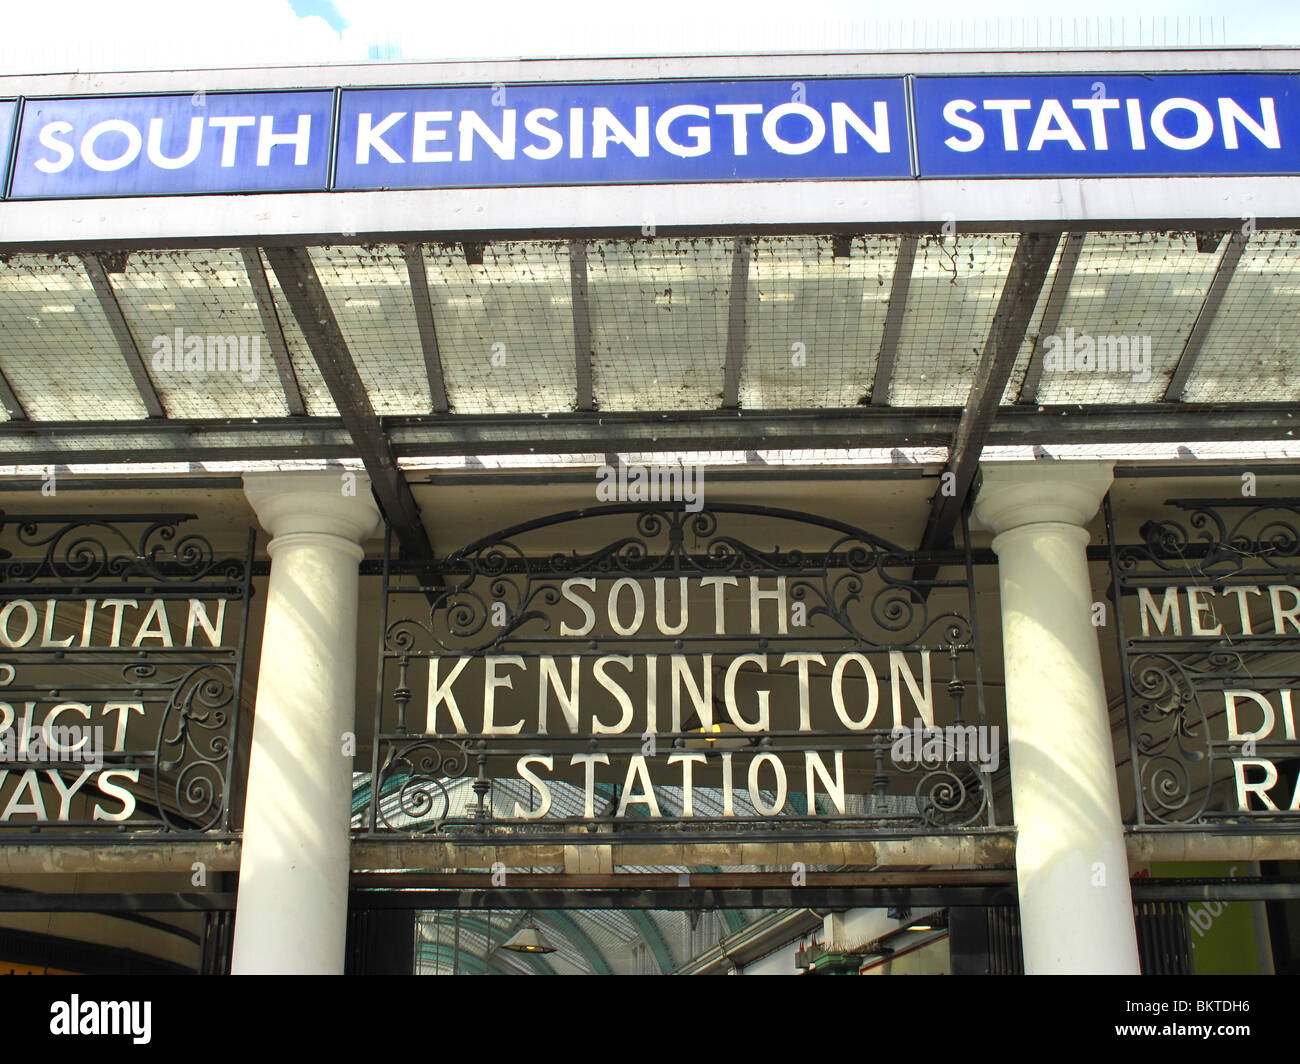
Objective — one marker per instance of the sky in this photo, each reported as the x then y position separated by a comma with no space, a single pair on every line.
73,35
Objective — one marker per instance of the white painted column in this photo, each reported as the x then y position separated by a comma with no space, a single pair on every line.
291,915
1076,909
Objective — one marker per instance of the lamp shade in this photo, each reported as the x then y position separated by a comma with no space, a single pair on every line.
529,939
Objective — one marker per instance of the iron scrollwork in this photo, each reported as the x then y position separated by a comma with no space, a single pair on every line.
501,596
1185,659
416,776
496,572
1264,533
85,548
161,707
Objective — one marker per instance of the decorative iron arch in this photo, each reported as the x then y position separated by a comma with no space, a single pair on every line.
497,570
829,588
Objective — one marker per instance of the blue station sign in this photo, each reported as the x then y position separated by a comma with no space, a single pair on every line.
8,117
623,132
504,135
173,145
1108,125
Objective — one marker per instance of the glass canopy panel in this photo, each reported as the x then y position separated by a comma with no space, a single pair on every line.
471,943
505,327
814,322
659,322
615,925
56,348
612,932
195,321
1033,333
315,395
370,294
622,942
1252,350
586,941
954,291
1131,306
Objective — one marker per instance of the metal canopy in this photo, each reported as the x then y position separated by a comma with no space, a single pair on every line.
675,342
1006,336
315,317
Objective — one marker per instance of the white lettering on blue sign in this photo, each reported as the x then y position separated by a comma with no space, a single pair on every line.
848,129
1076,125
129,145
164,145
1053,124
607,129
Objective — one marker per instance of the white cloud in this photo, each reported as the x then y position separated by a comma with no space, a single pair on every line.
86,35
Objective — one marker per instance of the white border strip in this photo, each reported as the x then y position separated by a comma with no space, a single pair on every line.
1175,454
651,68
1010,203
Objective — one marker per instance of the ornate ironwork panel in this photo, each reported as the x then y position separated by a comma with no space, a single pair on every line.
736,672
121,658
1208,622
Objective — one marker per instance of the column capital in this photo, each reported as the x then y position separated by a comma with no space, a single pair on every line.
314,501
1013,494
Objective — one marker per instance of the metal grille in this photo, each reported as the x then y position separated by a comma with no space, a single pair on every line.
505,327
1251,349
1201,603
1033,333
658,311
58,352
1006,955
985,940
954,291
216,943
315,395
1128,289
161,691
659,322
194,319
1164,945
370,294
814,321
853,592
